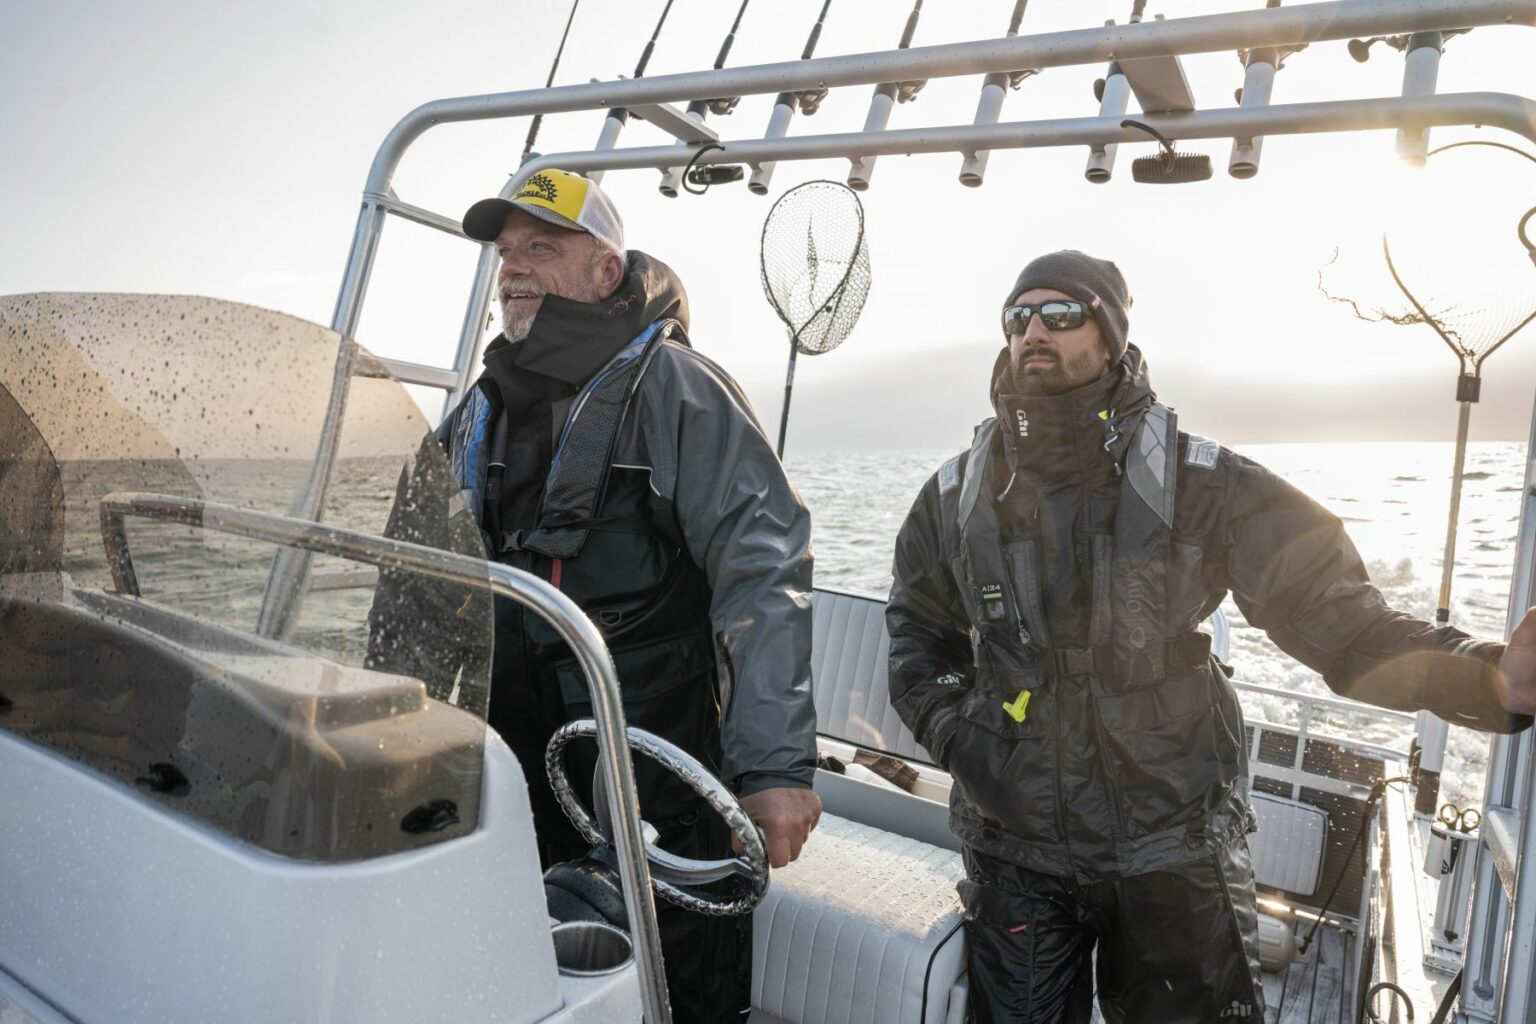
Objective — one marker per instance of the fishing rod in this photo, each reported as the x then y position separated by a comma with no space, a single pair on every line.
990,107
886,96
809,101
538,119
614,123
717,174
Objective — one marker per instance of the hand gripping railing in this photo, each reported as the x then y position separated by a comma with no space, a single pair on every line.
558,609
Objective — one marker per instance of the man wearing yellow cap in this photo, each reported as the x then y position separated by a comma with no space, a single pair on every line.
602,453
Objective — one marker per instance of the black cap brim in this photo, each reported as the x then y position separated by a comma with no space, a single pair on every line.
485,220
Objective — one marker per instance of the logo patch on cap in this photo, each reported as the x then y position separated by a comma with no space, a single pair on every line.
540,186
560,193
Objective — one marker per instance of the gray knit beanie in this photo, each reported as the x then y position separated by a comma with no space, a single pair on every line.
1096,282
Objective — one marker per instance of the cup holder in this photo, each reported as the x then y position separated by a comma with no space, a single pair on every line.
585,949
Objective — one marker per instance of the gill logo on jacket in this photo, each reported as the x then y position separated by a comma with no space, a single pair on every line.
1023,422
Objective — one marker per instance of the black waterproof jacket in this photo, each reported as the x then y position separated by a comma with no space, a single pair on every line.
1049,585
696,566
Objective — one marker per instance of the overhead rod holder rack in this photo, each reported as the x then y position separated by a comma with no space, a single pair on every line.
1282,28
1242,30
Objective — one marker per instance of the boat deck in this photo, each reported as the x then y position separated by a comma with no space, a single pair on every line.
1314,990
1318,988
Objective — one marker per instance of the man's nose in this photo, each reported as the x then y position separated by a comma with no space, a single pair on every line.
513,264
1036,333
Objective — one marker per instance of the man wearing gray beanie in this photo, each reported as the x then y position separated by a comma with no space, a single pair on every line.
1049,584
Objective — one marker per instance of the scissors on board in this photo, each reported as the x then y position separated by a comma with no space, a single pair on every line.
1462,819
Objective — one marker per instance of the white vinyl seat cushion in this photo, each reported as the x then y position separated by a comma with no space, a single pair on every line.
849,655
864,928
1288,847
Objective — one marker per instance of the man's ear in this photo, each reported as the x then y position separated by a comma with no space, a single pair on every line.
610,271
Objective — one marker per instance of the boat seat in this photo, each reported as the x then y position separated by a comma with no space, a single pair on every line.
1288,847
864,928
849,653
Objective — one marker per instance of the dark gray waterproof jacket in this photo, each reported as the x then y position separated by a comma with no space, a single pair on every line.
1049,586
709,596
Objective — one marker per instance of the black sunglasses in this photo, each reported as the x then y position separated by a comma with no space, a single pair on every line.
1055,314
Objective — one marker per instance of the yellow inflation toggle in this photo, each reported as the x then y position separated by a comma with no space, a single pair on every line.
1015,708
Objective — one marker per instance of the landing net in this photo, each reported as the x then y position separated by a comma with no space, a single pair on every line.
1453,258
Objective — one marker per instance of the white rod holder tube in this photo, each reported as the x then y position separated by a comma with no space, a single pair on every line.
778,127
1117,96
613,124
988,109
880,106
1258,86
1421,70
672,177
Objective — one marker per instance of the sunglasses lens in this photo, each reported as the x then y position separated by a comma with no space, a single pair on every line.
1016,319
1061,316
1056,316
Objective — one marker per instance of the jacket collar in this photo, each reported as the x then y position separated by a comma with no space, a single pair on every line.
570,340
1066,432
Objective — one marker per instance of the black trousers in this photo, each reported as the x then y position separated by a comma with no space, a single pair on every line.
1173,946
707,959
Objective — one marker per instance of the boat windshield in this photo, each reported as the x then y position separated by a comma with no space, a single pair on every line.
356,729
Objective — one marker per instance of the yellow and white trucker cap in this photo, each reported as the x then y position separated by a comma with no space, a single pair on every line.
564,199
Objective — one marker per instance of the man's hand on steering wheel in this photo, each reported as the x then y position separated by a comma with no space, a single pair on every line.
786,814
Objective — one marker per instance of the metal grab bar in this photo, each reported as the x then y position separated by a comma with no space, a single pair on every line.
559,610
1332,703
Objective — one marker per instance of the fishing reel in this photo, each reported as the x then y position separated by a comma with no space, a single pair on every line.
809,100
1360,49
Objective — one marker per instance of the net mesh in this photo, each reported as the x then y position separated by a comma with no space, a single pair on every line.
815,263
1452,257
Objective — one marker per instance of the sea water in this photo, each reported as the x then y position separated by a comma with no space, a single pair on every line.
1394,499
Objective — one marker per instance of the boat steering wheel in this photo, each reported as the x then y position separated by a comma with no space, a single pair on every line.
676,878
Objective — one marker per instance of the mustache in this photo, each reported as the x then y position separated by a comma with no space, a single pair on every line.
513,287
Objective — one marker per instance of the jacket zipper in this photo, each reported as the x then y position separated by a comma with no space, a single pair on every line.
1061,804
1117,810
1029,644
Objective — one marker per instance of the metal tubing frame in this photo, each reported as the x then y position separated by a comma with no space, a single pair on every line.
1281,27
1515,114
560,611
1270,27
1499,943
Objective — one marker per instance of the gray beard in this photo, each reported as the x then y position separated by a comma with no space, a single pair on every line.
515,324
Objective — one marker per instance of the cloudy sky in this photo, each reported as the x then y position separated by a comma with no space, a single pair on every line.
220,148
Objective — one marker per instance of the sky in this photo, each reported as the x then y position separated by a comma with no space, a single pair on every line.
219,148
